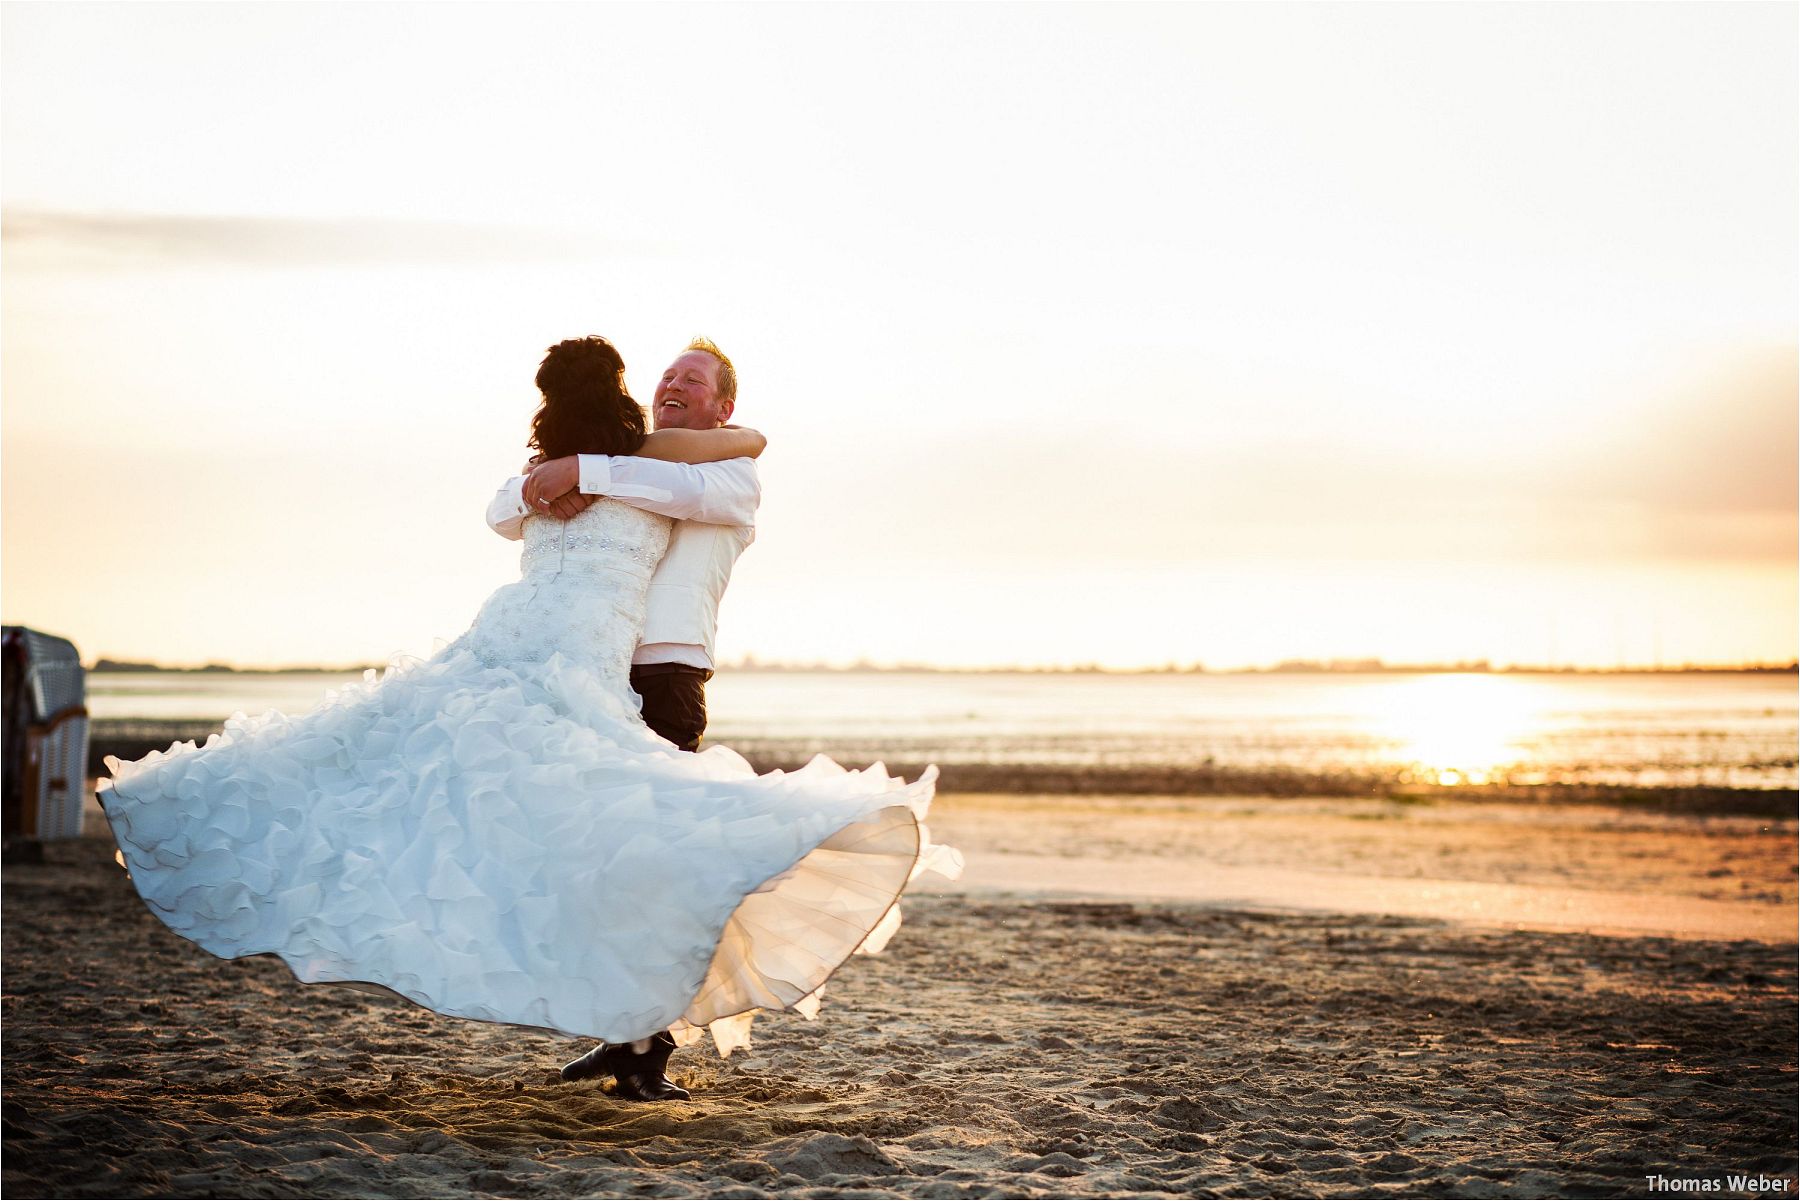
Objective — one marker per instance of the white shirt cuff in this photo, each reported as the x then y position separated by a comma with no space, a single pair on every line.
595,474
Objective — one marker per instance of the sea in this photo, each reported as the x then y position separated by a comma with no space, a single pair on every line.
1705,730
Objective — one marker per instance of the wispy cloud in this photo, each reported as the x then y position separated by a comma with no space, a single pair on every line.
1700,469
1720,441
121,239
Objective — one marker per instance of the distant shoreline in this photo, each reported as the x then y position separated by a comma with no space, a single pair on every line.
1369,667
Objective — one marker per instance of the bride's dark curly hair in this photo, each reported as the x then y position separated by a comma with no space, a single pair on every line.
586,409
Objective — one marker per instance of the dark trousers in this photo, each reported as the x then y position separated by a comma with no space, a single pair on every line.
674,708
674,701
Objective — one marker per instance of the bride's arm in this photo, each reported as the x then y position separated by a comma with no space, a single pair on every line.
702,446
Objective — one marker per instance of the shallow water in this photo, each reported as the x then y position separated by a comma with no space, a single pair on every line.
1724,730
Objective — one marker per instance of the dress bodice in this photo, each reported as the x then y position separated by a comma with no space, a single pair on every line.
580,594
607,535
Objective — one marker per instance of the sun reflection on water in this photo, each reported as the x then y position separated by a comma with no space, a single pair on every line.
1459,729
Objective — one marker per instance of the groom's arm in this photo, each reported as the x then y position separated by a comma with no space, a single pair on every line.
507,512
722,493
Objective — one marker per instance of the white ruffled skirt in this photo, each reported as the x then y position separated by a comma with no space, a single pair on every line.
512,845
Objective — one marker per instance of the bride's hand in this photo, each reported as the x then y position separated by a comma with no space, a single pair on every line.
569,504
548,481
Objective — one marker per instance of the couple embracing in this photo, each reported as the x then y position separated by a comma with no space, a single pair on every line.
521,828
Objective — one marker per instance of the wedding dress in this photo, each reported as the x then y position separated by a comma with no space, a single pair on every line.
494,834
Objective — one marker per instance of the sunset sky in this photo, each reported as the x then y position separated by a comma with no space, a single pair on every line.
1126,335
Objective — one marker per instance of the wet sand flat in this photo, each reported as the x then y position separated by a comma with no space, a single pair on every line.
1007,1044
1593,868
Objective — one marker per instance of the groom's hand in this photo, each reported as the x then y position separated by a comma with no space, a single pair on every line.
548,481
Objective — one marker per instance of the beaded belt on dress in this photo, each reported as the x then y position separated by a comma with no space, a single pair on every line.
586,551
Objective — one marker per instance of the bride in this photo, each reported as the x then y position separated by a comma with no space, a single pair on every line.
493,833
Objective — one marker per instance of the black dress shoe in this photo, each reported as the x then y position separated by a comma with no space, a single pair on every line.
654,1086
605,1060
640,1076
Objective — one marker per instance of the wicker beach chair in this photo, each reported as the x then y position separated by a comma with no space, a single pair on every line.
46,742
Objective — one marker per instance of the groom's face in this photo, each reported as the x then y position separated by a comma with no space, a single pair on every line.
687,396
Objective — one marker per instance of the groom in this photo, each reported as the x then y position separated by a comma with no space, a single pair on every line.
714,505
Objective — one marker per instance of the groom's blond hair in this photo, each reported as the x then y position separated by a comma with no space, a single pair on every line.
727,373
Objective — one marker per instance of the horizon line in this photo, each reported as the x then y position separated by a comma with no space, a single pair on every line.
750,663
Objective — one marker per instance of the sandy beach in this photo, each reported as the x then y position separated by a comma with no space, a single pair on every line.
1138,997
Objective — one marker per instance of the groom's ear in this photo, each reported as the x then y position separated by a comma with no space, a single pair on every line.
725,409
